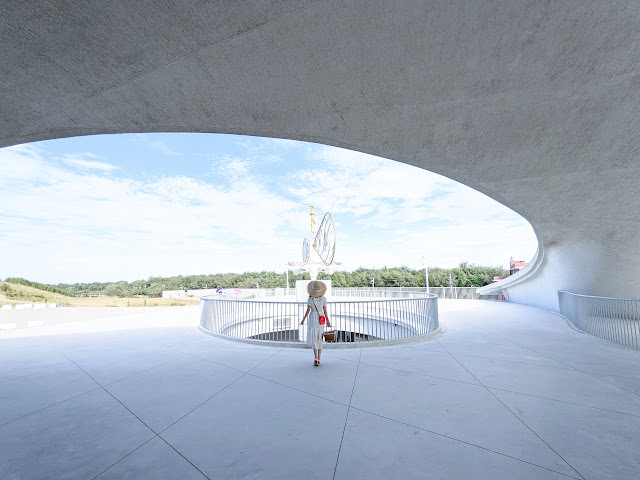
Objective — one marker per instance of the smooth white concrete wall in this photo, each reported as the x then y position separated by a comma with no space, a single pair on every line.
576,267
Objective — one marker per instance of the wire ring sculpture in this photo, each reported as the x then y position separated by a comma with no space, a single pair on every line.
306,250
325,242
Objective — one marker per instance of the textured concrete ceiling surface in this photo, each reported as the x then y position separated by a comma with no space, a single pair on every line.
534,103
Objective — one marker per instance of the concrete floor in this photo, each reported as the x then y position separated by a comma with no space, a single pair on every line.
507,391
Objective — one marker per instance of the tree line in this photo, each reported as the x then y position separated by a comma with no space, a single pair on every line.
465,275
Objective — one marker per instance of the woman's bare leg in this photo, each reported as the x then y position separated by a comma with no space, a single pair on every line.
319,353
315,354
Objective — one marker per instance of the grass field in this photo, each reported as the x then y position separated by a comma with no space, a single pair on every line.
11,293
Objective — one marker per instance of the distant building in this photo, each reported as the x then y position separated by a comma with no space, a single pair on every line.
516,265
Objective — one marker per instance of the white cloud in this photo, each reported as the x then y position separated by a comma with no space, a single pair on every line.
405,213
86,161
156,142
234,169
63,224
383,192
93,219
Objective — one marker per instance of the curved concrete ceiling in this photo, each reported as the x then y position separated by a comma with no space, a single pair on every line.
533,103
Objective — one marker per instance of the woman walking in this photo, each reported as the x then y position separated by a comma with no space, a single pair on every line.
318,316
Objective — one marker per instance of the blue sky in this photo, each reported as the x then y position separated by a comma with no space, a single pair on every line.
127,207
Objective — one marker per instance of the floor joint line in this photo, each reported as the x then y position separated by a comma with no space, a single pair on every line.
115,398
48,406
244,374
122,458
516,416
346,418
593,375
564,401
459,440
185,458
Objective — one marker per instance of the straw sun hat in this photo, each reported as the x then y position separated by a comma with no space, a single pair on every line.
316,289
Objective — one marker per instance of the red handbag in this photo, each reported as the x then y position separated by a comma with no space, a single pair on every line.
321,318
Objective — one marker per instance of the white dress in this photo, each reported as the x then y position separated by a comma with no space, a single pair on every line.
315,329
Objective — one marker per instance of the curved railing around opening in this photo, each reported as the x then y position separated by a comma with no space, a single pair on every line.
614,319
355,321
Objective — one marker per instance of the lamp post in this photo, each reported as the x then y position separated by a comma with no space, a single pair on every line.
289,264
426,274
451,286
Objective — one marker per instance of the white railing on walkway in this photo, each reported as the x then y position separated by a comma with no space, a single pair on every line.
614,319
364,292
362,320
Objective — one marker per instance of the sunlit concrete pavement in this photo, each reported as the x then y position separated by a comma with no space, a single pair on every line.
505,392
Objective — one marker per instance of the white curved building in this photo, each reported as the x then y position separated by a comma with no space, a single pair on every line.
533,103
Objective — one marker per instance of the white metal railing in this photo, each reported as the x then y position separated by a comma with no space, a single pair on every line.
384,292
359,320
395,292
614,319
362,292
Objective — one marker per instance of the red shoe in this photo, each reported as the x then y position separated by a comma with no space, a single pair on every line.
316,362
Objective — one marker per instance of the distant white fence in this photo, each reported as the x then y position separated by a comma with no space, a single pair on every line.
28,306
387,292
398,292
242,293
